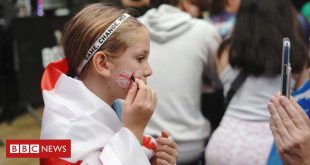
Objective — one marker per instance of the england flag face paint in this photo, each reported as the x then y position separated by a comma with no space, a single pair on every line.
125,78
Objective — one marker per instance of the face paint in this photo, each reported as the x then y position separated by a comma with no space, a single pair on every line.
126,77
125,73
123,82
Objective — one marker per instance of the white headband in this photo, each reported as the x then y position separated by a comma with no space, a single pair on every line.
102,39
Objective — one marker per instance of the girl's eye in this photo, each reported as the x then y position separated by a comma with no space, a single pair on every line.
140,59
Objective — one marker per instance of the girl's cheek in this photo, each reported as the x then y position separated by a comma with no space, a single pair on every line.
137,74
123,82
124,79
125,73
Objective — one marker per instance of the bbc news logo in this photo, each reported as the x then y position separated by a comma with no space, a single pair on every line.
38,148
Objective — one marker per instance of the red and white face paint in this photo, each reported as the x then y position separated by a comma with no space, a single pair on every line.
125,78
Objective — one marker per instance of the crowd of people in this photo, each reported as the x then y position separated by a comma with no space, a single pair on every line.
129,88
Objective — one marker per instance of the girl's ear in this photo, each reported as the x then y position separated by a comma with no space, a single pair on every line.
100,63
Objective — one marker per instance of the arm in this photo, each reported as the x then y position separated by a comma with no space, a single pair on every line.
290,126
222,58
138,108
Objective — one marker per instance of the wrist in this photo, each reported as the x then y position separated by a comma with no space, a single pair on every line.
137,132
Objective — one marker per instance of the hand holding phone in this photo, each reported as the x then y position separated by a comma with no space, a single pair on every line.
286,68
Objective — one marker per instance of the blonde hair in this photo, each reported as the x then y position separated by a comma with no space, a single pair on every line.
80,33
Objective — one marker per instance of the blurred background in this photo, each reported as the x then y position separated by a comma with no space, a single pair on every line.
29,39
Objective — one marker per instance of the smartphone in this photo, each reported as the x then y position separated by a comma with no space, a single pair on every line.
286,68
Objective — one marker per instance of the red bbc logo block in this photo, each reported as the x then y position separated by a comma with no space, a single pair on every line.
38,148
24,148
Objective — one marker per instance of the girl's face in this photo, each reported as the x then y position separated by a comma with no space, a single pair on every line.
192,8
233,6
133,62
194,11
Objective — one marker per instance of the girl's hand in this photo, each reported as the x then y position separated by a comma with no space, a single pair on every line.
166,151
138,107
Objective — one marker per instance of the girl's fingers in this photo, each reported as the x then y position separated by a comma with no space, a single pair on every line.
166,141
142,91
160,161
154,99
166,157
168,146
164,134
131,94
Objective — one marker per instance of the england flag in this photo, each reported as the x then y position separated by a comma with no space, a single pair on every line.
97,136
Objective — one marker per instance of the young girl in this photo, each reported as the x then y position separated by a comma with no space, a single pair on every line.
107,58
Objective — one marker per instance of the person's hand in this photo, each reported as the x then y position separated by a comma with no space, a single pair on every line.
138,107
290,126
166,151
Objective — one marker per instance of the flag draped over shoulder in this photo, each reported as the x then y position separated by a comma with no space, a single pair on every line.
73,112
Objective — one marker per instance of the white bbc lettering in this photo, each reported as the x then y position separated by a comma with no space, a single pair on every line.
53,148
45,148
34,148
14,148
58,148
24,148
64,148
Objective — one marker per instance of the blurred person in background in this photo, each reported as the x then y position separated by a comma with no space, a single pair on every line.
222,13
302,96
244,136
301,14
302,87
303,25
23,8
182,47
139,6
